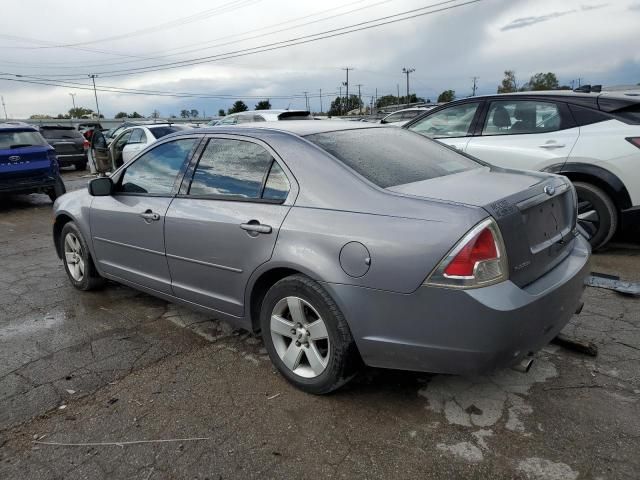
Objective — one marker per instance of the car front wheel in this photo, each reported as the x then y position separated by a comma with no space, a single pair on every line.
307,337
597,214
77,260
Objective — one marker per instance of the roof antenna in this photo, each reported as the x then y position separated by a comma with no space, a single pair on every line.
289,106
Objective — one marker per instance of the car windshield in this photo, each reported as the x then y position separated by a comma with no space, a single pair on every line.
389,156
160,132
60,133
10,139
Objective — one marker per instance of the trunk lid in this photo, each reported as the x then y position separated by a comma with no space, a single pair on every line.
535,211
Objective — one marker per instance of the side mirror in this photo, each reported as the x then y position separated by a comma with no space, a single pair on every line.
100,187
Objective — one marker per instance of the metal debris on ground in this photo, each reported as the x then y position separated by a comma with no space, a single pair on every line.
613,282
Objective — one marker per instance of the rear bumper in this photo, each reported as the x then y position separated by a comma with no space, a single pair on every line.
26,185
71,158
444,330
630,217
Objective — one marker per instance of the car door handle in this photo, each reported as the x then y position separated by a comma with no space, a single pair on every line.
149,216
551,145
255,227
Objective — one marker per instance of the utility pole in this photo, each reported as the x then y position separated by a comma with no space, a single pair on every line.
375,101
321,101
95,92
398,88
340,101
73,99
473,94
347,85
359,99
306,100
4,107
407,72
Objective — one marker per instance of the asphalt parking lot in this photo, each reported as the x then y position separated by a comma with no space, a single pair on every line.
117,384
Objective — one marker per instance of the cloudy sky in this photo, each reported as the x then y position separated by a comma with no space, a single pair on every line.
61,43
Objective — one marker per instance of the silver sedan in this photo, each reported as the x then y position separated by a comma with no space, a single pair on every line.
342,243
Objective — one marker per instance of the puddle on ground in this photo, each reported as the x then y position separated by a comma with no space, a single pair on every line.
30,325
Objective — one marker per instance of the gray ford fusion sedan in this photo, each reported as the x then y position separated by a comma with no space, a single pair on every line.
342,243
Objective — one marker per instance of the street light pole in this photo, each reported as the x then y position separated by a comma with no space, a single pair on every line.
407,72
73,99
93,78
4,107
321,101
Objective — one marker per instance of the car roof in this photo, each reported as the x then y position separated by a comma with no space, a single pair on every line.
298,127
17,126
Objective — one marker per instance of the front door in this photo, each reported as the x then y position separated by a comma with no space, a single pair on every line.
127,228
525,134
225,223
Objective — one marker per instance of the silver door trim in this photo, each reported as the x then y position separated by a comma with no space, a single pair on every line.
134,247
206,264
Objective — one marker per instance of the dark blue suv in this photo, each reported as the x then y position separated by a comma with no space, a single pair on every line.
28,164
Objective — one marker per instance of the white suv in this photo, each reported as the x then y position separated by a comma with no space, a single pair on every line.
592,138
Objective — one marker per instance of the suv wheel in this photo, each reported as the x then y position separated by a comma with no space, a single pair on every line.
57,190
307,337
81,165
77,260
597,214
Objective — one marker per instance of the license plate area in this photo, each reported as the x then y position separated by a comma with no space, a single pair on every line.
547,223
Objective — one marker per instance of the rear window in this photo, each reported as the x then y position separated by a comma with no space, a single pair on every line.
160,132
10,139
60,133
295,116
629,115
391,156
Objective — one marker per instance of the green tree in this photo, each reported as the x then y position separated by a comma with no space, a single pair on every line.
447,96
340,106
184,113
508,84
263,105
79,112
63,115
121,115
194,113
239,106
135,115
221,112
386,100
542,81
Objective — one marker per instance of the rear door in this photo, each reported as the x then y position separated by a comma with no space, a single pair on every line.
225,221
525,134
127,228
452,125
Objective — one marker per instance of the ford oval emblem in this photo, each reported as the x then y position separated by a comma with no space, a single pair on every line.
14,158
549,189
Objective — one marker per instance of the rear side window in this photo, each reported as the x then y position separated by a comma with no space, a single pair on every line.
60,133
392,156
277,186
233,168
156,171
10,139
138,136
454,121
522,117
587,116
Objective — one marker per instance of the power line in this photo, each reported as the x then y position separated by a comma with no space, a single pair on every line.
386,20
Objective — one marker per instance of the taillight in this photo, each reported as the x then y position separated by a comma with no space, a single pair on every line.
478,260
634,141
86,144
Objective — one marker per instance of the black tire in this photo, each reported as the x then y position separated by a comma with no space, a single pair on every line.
91,279
57,190
602,224
343,358
81,166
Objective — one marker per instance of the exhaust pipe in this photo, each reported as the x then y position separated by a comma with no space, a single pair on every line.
524,366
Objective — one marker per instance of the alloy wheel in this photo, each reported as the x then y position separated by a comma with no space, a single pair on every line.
588,217
300,337
73,257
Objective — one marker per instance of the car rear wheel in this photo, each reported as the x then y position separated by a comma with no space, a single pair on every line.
597,214
307,337
81,166
57,190
77,260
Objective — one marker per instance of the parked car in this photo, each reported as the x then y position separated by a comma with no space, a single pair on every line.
69,144
28,163
262,116
112,133
129,142
592,138
400,117
341,242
